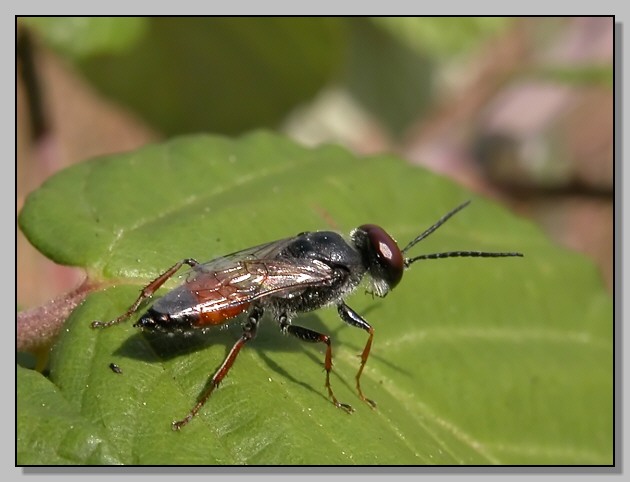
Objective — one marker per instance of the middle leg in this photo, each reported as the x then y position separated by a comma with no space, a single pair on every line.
313,336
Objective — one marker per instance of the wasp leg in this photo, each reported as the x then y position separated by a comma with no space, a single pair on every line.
312,336
351,317
249,332
146,292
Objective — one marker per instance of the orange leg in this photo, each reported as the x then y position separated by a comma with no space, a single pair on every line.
249,332
351,317
312,336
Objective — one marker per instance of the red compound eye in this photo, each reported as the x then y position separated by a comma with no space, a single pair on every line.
386,260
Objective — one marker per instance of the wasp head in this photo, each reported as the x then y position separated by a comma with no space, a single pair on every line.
381,257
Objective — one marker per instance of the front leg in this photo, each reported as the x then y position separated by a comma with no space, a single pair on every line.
351,317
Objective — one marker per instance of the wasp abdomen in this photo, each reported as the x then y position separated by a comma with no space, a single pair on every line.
218,317
153,320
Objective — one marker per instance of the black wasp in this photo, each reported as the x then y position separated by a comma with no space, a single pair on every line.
284,278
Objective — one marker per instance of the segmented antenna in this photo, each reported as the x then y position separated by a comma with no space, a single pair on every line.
450,254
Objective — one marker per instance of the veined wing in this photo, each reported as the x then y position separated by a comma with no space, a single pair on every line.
225,287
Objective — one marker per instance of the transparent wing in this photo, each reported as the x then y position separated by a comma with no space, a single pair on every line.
242,277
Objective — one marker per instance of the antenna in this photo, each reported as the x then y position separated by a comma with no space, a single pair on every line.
450,254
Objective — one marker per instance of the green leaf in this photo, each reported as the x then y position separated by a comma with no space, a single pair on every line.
475,361
51,430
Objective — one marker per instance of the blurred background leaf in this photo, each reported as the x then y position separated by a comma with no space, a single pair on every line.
587,75
212,74
443,37
84,37
232,74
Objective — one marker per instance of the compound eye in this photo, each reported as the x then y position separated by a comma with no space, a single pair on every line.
386,258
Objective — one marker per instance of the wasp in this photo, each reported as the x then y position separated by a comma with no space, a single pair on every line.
284,278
